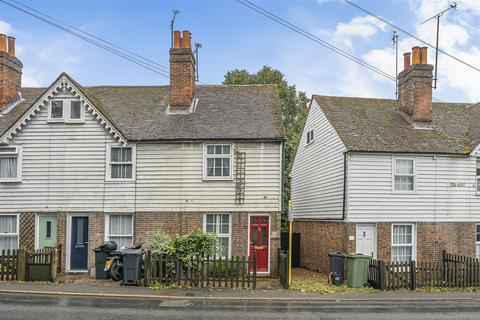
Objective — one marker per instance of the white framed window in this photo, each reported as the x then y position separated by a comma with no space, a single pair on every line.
478,174
9,232
310,137
11,164
478,241
404,174
66,110
221,224
403,242
119,228
121,163
217,161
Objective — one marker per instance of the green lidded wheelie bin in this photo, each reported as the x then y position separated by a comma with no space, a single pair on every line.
100,257
357,269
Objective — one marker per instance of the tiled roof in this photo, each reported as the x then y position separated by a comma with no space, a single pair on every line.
139,112
375,125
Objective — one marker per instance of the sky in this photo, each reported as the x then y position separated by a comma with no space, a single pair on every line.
236,37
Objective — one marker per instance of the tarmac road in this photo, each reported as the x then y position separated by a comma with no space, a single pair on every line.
36,307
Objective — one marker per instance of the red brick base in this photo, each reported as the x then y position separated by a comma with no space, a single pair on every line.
146,223
317,238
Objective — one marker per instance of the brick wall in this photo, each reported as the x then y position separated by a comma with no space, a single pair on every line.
317,238
146,223
10,78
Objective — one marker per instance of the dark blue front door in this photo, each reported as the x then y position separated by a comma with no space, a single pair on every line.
79,243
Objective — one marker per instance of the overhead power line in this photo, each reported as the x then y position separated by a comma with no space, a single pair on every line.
410,34
84,36
317,40
314,38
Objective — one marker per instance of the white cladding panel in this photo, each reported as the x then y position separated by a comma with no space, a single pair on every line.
318,170
64,169
445,189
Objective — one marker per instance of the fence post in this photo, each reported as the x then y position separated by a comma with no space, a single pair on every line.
254,285
147,268
381,275
22,265
413,275
53,264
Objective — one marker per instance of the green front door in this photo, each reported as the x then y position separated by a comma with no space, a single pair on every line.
47,231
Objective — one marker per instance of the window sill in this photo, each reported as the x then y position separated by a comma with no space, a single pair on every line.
16,180
309,144
119,180
75,121
217,179
55,121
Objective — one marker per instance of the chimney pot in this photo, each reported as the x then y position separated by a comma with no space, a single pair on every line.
11,46
406,60
186,42
177,40
423,55
416,55
3,43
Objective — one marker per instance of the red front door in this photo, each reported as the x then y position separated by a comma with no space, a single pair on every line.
259,239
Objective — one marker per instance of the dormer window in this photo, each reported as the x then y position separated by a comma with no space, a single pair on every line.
65,110
56,110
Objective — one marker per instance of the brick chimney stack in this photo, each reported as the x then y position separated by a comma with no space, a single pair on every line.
10,72
415,87
182,73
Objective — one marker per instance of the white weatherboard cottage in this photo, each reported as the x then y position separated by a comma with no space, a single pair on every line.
393,179
81,165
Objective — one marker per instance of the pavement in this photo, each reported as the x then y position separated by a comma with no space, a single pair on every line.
106,289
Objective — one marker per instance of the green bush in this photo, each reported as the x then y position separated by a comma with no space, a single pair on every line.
187,248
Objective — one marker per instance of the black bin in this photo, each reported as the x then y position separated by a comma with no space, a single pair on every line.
337,267
100,258
132,266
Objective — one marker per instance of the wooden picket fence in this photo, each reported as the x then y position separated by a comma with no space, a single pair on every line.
455,271
203,272
23,265
8,265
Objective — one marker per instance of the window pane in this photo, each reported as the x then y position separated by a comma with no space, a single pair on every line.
80,228
120,225
402,234
8,167
210,149
116,171
478,250
57,110
218,162
48,233
404,166
255,236
223,242
218,172
122,241
127,171
8,224
218,149
75,110
8,242
404,183
263,236
226,149
478,184
226,167
402,253
115,154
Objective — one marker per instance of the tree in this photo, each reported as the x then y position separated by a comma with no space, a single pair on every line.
294,112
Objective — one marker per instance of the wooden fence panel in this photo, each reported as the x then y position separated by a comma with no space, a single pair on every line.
8,265
201,271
